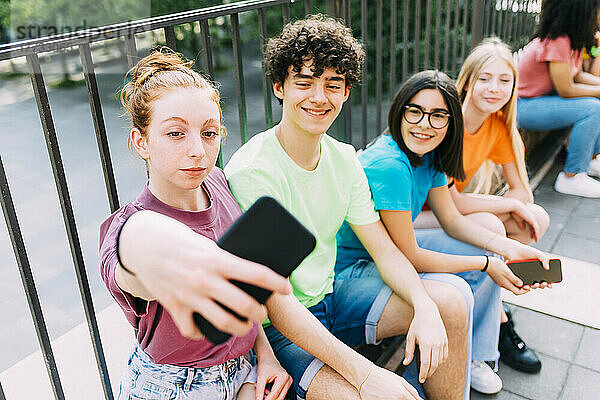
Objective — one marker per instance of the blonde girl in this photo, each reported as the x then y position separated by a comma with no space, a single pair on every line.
487,85
158,257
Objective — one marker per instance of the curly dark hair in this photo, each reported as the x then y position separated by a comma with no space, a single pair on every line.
325,41
575,18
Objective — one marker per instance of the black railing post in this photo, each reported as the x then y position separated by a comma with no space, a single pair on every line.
131,50
393,41
170,38
333,8
405,50
266,83
20,252
478,18
364,79
98,118
60,179
239,76
379,65
348,108
308,7
417,41
428,15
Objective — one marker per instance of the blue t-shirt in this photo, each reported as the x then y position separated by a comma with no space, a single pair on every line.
395,185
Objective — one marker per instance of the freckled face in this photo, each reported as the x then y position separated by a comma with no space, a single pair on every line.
183,139
421,137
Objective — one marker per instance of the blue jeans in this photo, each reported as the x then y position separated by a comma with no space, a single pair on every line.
350,312
487,304
481,294
146,380
555,112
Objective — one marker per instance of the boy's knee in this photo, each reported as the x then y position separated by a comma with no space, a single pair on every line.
453,304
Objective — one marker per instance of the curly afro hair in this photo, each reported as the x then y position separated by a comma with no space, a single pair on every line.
574,18
325,41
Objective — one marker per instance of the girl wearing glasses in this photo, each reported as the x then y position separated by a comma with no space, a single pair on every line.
408,164
487,85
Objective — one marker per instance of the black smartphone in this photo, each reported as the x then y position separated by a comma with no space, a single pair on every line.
267,234
532,271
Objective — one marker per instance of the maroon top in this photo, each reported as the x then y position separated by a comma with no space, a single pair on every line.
157,334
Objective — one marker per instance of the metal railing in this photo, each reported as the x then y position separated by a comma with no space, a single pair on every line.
438,36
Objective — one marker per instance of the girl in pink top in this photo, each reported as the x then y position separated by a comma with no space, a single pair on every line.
184,207
555,93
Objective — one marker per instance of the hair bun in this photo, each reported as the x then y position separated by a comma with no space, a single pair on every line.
159,60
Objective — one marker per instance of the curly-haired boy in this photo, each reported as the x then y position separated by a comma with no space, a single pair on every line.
312,65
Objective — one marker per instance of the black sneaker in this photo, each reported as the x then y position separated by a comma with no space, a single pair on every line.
514,352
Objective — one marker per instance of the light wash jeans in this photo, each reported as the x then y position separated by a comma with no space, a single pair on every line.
555,112
486,294
146,380
481,294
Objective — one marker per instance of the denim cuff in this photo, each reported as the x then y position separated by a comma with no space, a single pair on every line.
375,314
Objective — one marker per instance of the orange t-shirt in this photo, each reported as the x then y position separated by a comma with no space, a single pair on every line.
491,141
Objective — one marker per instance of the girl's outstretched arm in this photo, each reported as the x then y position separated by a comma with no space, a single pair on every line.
462,228
165,260
400,228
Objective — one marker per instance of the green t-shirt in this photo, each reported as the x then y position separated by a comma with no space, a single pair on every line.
321,199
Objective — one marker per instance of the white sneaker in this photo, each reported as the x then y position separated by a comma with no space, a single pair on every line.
578,185
594,168
484,379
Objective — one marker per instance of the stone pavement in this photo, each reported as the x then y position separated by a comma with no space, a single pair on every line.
570,352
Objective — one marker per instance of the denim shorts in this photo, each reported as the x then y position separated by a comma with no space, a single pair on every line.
146,380
351,312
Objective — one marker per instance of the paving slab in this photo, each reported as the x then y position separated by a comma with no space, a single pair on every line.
586,226
557,224
556,202
503,395
588,354
588,208
582,384
552,336
578,246
545,385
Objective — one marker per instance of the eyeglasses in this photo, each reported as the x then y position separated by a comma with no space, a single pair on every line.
437,119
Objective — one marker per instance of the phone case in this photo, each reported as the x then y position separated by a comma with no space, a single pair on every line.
267,234
532,271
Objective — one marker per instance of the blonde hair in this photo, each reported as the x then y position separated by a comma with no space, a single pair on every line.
161,70
494,48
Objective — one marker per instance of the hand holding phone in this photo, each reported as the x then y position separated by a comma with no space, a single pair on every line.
266,234
532,271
